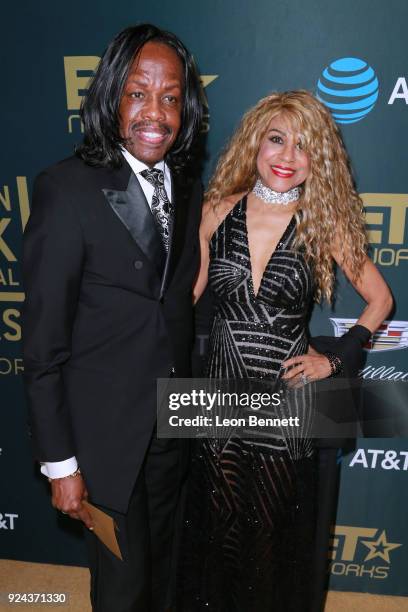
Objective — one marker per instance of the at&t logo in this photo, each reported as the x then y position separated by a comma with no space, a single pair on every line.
374,458
7,520
349,88
357,551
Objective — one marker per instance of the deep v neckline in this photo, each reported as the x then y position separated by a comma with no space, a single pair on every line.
277,248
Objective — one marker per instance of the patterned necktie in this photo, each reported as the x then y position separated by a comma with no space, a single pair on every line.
161,205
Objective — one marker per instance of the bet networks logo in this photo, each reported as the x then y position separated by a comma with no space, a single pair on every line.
385,216
349,87
391,335
14,213
358,551
80,69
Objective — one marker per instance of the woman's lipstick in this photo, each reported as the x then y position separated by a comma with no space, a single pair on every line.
282,171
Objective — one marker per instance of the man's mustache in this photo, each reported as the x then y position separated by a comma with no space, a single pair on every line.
141,125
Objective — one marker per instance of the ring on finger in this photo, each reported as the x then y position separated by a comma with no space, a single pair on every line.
304,378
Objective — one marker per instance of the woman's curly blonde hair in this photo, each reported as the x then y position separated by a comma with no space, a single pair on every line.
330,212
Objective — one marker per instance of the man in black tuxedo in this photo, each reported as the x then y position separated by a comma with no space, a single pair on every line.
110,255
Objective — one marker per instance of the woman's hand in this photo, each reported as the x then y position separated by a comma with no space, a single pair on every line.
306,368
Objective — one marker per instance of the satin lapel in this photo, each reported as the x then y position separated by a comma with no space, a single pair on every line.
180,199
133,210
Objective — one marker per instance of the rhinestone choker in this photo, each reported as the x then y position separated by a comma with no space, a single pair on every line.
269,196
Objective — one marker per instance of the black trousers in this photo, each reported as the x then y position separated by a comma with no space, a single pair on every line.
147,536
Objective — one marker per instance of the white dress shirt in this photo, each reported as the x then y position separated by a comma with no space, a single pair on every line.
60,469
138,167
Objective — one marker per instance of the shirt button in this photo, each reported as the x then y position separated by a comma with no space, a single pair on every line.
138,264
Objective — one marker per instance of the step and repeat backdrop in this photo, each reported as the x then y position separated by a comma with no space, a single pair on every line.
354,56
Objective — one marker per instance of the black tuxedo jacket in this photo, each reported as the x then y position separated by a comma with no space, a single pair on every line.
106,314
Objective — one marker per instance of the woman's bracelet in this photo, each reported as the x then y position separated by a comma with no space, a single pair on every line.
76,473
336,364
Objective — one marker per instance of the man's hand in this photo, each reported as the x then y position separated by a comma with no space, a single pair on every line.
67,496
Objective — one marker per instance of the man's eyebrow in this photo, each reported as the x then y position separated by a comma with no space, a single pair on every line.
143,81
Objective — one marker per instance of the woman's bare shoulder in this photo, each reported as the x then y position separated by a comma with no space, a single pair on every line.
214,215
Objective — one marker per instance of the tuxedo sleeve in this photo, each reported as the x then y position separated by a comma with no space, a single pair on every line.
53,255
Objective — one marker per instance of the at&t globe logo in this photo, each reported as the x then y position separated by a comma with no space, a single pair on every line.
349,88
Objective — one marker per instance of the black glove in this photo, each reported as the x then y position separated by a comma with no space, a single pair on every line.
348,348
360,332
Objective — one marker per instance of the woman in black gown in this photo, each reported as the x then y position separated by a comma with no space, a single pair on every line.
280,210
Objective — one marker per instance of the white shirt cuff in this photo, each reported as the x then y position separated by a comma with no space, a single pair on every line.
59,469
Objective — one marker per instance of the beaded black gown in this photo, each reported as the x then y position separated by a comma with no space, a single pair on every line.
248,534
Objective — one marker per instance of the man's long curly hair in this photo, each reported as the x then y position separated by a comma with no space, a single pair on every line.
329,212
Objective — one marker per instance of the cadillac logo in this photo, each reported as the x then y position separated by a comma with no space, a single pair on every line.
391,335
